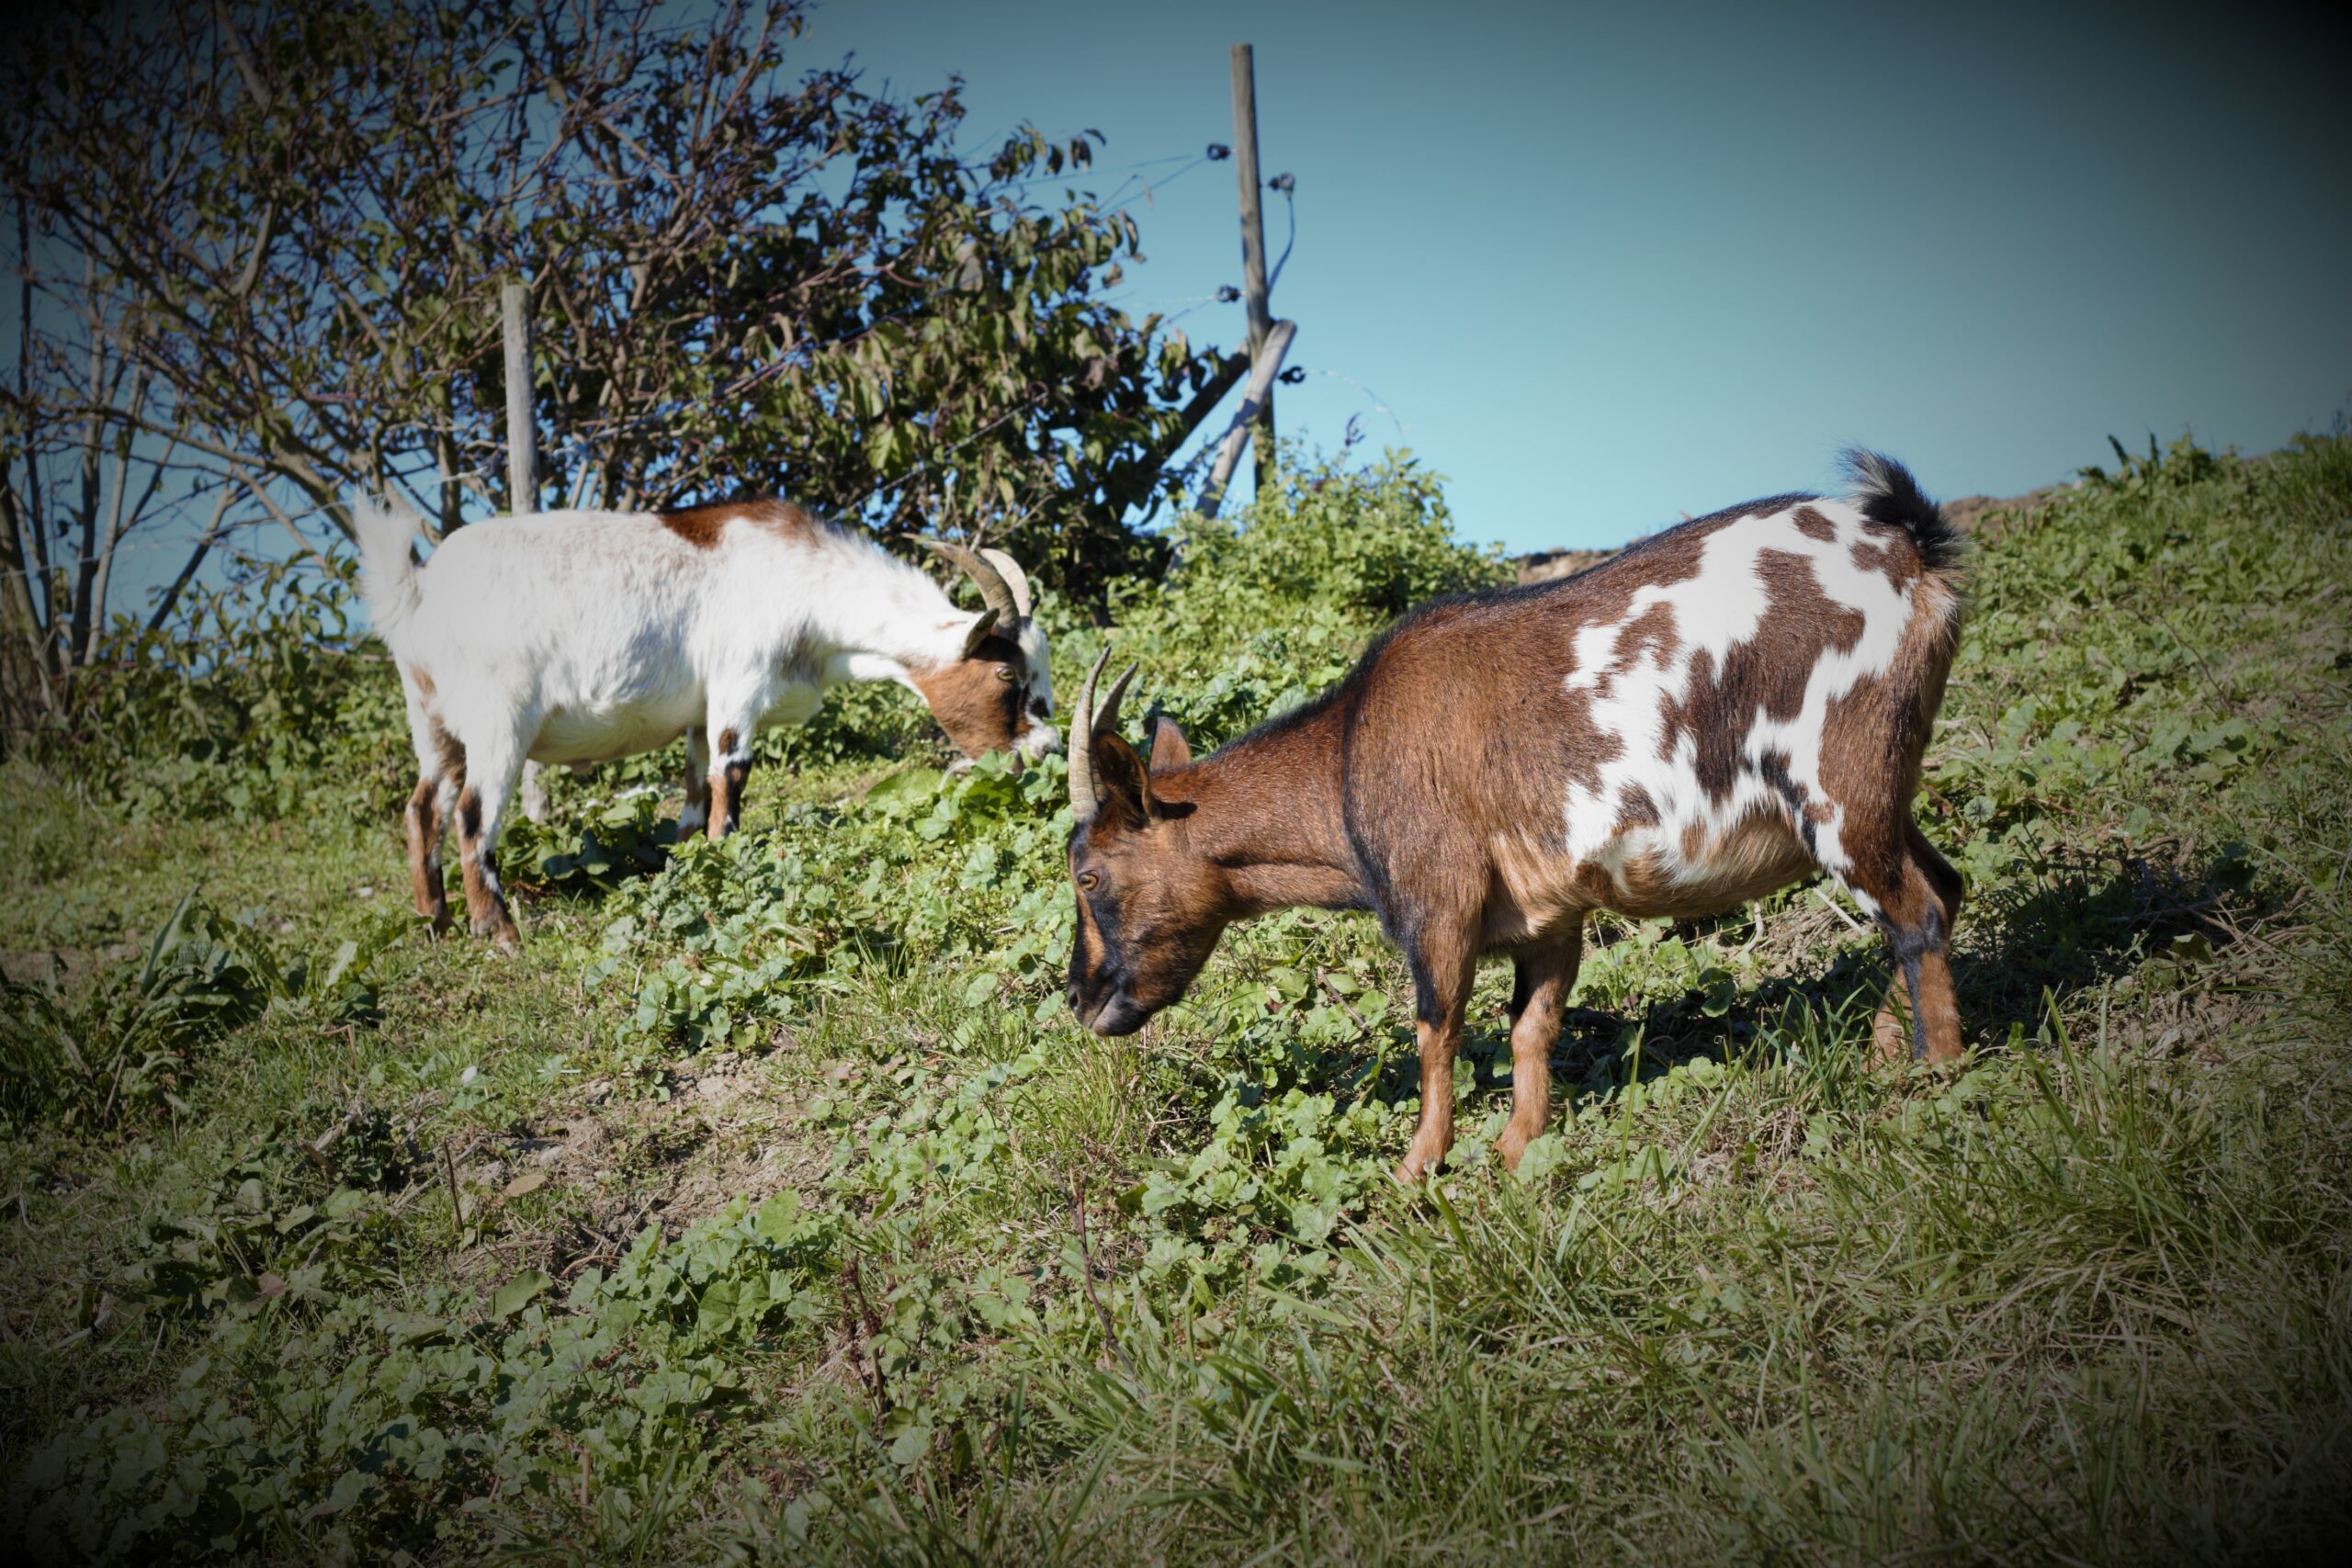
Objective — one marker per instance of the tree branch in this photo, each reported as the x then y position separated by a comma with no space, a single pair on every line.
212,533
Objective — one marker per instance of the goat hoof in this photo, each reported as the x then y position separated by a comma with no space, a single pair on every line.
499,932
1890,1036
1416,1166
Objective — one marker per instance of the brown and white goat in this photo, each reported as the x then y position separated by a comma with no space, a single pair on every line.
1710,715
580,636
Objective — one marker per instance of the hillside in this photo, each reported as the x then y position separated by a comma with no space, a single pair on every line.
769,1207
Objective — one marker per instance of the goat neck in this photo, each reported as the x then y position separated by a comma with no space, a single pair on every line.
1267,811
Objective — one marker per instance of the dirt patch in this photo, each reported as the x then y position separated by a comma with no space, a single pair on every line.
613,1164
1986,516
64,967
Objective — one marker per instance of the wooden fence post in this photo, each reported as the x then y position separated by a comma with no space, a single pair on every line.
1253,244
522,470
1253,402
522,441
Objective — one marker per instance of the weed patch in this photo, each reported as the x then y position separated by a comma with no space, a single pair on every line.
770,1208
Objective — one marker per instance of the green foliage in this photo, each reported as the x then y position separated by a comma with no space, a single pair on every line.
1367,543
1267,611
118,1050
257,698
379,1412
812,1230
751,269
929,868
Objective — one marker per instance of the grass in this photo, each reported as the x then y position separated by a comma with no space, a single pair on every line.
770,1208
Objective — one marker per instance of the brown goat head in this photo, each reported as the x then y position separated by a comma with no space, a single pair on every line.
984,700
996,696
1150,908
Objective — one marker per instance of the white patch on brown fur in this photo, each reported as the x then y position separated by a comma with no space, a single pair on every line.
1725,605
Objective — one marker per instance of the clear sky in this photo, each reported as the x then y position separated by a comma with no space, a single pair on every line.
1611,267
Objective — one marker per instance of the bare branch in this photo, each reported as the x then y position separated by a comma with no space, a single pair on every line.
170,597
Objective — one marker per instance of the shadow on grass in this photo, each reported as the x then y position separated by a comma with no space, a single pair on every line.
2082,924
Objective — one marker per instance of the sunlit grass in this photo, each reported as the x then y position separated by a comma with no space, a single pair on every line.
1041,1297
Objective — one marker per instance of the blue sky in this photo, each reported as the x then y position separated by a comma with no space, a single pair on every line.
1609,267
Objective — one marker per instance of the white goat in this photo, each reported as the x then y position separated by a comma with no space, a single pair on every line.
580,637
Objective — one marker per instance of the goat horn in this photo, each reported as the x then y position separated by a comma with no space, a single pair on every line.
1082,803
1106,718
1085,725
1012,574
995,592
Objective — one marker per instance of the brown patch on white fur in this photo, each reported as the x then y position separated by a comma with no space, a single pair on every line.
1761,853
976,698
701,526
486,912
726,786
421,826
1900,565
1719,708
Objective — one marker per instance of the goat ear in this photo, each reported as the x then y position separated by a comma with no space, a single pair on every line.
1169,747
978,634
1122,784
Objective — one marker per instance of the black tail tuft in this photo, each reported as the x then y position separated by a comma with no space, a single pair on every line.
1887,493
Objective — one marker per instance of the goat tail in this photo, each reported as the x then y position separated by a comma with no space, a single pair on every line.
1886,493
387,566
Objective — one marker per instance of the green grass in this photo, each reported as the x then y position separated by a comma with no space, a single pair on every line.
794,1221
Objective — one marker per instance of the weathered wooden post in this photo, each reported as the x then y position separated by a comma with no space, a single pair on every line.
522,468
1253,402
522,441
1253,244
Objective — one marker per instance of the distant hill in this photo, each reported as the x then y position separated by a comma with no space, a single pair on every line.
1967,511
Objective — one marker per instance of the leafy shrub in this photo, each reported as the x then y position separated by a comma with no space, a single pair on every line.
382,1419
123,1046
259,697
1263,612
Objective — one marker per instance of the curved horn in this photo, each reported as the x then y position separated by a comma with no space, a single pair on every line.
1107,716
1012,574
1082,803
995,592
1085,725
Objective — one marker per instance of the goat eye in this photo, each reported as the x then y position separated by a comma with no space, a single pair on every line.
1088,881
1004,672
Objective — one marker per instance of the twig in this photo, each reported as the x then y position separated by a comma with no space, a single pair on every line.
1086,1278
1325,976
1831,904
865,1328
333,1136
457,1204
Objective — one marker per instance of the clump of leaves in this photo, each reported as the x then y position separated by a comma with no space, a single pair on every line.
123,1047
597,852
